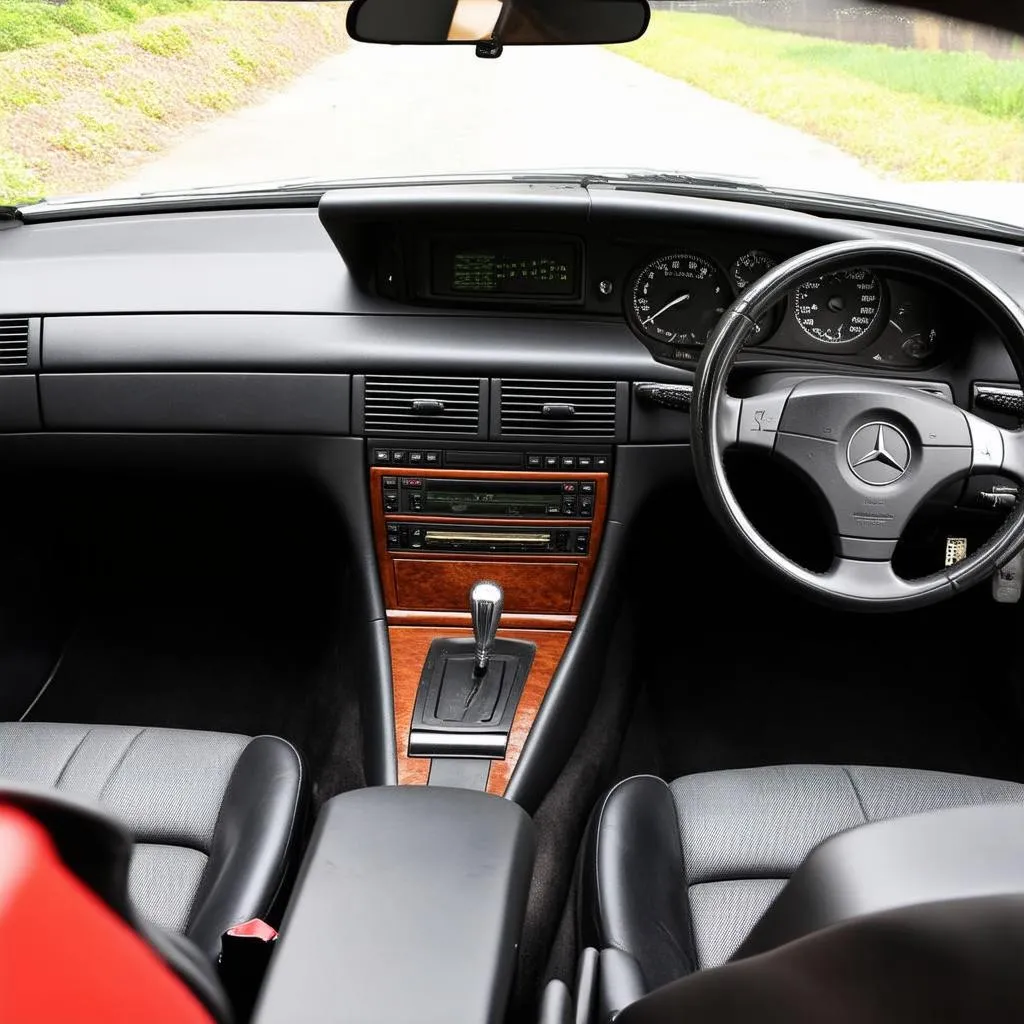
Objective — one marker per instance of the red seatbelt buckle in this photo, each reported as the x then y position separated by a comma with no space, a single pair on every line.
244,955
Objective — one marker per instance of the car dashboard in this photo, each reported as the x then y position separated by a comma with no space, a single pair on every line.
490,379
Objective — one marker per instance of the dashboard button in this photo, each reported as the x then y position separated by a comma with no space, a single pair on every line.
398,456
554,510
381,455
432,458
585,462
587,506
390,481
534,461
551,462
569,506
588,487
415,458
412,482
581,543
601,461
570,487
568,462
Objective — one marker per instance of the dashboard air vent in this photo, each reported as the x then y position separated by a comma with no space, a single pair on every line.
436,406
559,409
13,341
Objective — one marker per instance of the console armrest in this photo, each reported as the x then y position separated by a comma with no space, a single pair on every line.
409,907
925,858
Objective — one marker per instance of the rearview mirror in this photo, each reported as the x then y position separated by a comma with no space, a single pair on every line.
498,22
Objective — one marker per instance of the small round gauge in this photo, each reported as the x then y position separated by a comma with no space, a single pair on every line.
839,308
678,299
745,271
752,267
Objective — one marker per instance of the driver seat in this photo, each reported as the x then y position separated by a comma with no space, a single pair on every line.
676,875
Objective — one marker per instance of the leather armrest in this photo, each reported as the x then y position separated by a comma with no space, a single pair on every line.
408,907
926,858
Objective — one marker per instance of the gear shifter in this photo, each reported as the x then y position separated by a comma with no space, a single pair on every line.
469,689
486,602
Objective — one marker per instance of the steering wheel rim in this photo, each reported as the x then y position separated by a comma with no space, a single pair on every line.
860,577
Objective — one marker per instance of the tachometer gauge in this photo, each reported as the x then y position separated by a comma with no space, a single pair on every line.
678,299
840,308
745,271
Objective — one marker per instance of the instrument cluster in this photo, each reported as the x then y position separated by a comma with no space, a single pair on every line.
674,300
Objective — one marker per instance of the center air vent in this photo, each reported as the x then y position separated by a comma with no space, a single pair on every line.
13,342
559,409
431,406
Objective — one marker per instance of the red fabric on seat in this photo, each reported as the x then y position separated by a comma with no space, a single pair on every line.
64,955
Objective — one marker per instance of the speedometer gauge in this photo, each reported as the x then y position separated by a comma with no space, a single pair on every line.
678,299
839,308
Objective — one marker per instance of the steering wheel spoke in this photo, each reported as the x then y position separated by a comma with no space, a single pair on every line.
995,450
751,422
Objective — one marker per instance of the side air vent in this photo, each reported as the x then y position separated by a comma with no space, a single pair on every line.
13,342
559,409
432,406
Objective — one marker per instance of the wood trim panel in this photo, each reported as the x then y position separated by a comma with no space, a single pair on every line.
538,586
451,620
409,646
386,559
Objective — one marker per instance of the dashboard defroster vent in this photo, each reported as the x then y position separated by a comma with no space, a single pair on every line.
13,341
560,409
432,406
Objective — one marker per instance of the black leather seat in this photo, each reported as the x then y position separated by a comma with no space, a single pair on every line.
214,815
676,875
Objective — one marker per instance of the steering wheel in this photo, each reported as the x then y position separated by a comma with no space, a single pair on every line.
873,451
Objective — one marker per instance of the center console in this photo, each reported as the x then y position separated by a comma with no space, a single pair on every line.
528,518
409,907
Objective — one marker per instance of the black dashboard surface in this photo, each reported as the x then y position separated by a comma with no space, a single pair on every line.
265,289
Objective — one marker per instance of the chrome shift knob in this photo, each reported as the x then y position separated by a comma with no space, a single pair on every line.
486,602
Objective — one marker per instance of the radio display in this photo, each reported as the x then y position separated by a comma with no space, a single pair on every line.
457,497
506,269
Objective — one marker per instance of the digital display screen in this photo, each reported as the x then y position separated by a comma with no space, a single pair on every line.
454,497
525,270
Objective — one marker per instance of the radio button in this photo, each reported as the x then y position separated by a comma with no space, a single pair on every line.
587,487
412,482
569,506
587,506
581,543
389,481
554,510
570,487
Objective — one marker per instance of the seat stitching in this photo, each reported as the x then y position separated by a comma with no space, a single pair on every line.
71,757
120,761
856,792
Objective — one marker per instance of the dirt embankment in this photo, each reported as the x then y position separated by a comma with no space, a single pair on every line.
79,116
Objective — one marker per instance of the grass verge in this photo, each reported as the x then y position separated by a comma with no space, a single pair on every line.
77,116
921,116
33,22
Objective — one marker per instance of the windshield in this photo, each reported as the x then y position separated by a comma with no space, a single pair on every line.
121,97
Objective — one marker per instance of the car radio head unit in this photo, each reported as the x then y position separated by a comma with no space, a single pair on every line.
492,499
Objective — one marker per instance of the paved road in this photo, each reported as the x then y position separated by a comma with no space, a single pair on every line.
378,111
384,111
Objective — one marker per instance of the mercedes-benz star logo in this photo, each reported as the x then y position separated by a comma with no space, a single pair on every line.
879,454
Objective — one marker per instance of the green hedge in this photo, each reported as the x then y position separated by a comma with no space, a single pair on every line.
32,22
